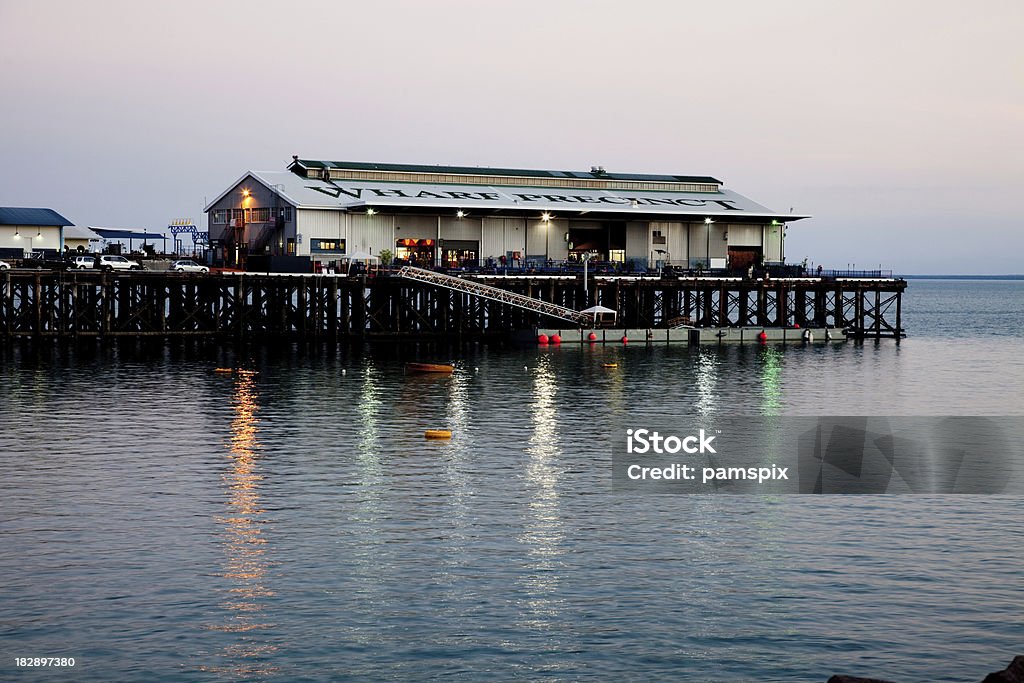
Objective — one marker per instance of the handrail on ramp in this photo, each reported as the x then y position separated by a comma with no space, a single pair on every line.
528,303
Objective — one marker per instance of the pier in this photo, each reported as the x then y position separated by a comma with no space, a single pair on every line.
73,304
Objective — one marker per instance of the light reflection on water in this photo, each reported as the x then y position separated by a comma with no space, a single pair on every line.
542,535
245,544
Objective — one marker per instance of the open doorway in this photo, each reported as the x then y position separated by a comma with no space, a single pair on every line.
607,240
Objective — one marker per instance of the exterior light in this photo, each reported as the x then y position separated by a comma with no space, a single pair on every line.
39,233
17,235
460,213
545,216
708,221
245,193
370,212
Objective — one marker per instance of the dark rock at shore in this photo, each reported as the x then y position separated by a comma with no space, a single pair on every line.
1011,674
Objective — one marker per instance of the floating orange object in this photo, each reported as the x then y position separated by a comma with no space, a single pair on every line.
610,365
224,370
430,367
438,434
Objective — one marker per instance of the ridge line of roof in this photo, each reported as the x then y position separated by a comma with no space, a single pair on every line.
493,171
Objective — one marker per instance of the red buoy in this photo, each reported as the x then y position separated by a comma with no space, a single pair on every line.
592,337
625,339
763,337
556,339
796,325
542,339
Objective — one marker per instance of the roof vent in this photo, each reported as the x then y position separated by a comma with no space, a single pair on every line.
598,170
325,174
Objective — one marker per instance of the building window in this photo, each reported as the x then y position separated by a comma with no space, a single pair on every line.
259,215
325,245
617,255
284,212
657,237
220,217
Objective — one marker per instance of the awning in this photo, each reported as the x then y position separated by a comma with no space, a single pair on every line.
358,256
127,234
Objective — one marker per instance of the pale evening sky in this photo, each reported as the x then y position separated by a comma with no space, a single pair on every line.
898,125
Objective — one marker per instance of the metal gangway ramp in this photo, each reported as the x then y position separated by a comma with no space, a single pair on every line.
528,303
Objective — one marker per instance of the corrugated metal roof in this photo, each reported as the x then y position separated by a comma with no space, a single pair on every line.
481,199
517,172
127,233
13,215
80,233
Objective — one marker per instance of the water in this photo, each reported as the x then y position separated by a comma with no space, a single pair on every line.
161,521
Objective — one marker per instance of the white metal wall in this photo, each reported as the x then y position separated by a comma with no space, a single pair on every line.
675,240
371,233
318,224
745,235
415,228
26,239
638,241
773,243
502,235
548,238
460,229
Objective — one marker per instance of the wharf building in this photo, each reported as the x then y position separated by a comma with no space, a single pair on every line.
449,216
24,231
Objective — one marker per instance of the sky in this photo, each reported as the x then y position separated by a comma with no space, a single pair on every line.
897,125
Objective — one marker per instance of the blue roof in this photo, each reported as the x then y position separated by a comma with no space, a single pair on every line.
13,215
126,234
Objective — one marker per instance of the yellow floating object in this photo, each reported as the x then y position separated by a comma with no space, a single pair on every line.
443,368
610,365
226,370
438,434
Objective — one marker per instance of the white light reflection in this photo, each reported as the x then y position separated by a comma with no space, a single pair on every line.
368,448
458,422
543,536
707,379
771,381
245,545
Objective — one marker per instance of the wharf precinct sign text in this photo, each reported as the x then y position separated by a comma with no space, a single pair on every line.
371,193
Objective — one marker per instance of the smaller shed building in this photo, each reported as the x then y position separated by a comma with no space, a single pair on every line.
27,230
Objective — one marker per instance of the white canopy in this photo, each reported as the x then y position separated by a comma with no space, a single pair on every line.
597,309
359,256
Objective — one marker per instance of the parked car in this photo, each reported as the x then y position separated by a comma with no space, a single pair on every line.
4,265
111,262
188,266
77,262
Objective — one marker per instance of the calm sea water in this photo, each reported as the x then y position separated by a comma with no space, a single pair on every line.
160,521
